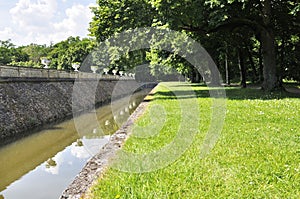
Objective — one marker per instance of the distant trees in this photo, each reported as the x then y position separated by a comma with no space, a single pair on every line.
62,54
9,53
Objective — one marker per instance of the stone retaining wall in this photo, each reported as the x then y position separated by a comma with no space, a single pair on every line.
29,100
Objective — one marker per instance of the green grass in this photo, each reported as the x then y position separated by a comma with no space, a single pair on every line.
256,156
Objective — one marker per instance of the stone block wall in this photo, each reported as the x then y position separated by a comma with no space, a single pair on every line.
31,99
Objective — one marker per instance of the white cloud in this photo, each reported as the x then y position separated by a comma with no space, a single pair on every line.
80,152
90,147
34,16
77,21
7,33
45,21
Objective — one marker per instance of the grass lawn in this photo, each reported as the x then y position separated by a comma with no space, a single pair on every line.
257,154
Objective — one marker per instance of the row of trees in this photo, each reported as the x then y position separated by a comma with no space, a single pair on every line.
249,40
258,40
61,54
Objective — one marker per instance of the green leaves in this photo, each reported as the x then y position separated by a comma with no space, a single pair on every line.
116,16
64,53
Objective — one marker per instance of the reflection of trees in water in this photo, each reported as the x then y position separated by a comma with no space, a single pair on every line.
79,143
50,163
108,125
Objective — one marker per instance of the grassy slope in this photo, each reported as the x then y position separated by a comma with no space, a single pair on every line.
256,156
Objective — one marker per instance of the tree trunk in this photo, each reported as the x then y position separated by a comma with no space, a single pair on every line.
214,77
261,66
242,68
254,72
195,76
268,50
269,61
282,61
227,73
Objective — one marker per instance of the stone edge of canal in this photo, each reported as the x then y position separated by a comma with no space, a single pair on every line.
96,166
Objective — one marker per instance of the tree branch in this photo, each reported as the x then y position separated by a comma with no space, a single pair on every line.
234,23
228,25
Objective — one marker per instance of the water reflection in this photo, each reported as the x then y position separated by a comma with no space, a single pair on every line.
49,160
50,163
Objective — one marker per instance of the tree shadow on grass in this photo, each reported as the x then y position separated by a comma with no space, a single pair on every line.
232,93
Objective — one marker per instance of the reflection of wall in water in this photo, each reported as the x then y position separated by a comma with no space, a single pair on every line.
31,104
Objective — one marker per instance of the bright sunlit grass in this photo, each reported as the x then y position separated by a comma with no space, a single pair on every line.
256,156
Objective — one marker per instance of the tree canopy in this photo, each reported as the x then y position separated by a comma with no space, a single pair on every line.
263,35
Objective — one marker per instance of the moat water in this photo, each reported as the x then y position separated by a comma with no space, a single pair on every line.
42,165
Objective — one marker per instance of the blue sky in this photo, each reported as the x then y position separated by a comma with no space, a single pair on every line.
44,21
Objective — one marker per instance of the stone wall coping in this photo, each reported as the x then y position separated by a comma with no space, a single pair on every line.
19,73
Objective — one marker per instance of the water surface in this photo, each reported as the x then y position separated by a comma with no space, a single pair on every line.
42,165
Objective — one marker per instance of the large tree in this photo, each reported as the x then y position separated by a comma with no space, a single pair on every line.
262,17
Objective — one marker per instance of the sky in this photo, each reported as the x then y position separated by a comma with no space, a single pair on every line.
44,21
